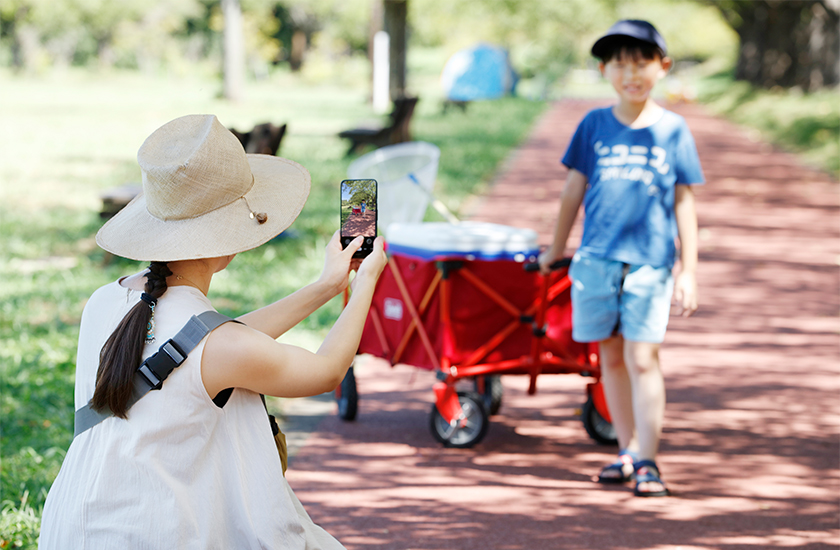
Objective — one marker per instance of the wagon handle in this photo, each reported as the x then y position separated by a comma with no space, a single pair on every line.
535,266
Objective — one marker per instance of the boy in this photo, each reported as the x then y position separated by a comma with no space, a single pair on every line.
631,166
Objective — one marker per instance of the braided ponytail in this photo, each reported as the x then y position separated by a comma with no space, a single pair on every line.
123,351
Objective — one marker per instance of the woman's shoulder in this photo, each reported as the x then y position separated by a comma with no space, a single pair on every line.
109,294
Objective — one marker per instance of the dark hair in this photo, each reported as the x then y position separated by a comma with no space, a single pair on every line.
123,351
619,45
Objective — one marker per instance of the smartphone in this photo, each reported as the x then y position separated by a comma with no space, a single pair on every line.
358,213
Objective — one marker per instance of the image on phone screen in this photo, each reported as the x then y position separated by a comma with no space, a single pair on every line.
358,212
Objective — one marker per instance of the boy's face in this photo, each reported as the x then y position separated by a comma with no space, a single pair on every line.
633,76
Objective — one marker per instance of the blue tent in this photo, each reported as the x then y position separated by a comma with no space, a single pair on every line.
480,72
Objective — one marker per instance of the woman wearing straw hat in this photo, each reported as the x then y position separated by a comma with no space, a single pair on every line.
178,469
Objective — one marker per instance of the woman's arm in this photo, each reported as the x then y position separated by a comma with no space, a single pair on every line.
239,356
277,318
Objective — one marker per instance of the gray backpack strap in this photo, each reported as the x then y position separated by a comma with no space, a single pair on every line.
154,370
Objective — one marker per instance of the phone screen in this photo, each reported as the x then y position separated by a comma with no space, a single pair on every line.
358,213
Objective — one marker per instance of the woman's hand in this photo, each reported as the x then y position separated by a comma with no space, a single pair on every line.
338,263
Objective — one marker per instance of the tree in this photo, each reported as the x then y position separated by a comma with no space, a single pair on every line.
396,13
359,191
786,42
234,50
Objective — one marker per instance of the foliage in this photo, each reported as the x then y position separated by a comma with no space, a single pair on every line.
544,38
39,33
804,123
693,32
68,148
359,191
19,525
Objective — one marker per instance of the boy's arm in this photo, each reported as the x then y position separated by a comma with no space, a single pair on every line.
570,201
685,286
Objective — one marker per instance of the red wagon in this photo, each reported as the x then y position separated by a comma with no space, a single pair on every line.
467,301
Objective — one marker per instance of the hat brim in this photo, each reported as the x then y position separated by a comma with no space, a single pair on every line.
280,190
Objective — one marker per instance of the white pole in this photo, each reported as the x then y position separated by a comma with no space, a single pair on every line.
234,50
380,72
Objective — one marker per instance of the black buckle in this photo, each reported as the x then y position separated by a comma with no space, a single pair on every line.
157,366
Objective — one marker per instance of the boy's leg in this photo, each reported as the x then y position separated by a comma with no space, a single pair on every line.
595,317
645,307
648,390
618,391
642,359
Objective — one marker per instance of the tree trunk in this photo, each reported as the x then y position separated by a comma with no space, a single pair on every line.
234,50
298,49
396,14
786,42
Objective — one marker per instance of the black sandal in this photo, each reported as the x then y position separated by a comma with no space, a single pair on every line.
648,472
623,467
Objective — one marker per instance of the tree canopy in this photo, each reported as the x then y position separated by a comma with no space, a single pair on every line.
360,191
782,42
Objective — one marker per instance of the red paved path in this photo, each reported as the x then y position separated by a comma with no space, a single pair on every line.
751,436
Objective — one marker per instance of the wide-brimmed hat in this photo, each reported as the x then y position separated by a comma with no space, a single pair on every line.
203,196
633,28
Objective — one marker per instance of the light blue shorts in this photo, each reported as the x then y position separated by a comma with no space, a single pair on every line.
611,298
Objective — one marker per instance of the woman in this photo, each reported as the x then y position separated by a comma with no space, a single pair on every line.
176,469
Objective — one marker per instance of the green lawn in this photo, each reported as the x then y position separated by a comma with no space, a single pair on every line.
67,137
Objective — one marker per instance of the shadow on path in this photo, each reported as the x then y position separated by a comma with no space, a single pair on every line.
751,437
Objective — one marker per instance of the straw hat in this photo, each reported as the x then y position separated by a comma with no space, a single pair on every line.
203,197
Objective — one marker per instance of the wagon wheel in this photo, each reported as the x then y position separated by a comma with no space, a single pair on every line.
464,432
596,426
348,397
492,394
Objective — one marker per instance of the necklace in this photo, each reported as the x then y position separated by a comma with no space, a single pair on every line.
181,278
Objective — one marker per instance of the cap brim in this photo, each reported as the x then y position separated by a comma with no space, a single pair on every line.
621,30
280,190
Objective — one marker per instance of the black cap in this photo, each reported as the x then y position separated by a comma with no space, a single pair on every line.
640,30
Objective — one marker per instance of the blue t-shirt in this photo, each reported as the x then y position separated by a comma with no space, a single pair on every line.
629,201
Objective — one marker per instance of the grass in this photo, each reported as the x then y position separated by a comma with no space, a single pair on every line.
806,124
68,136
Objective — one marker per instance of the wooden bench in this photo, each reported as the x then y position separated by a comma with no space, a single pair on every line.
115,199
397,131
264,139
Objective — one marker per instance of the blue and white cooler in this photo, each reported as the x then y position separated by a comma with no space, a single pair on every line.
447,289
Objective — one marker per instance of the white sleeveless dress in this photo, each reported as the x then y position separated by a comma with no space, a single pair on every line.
179,472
